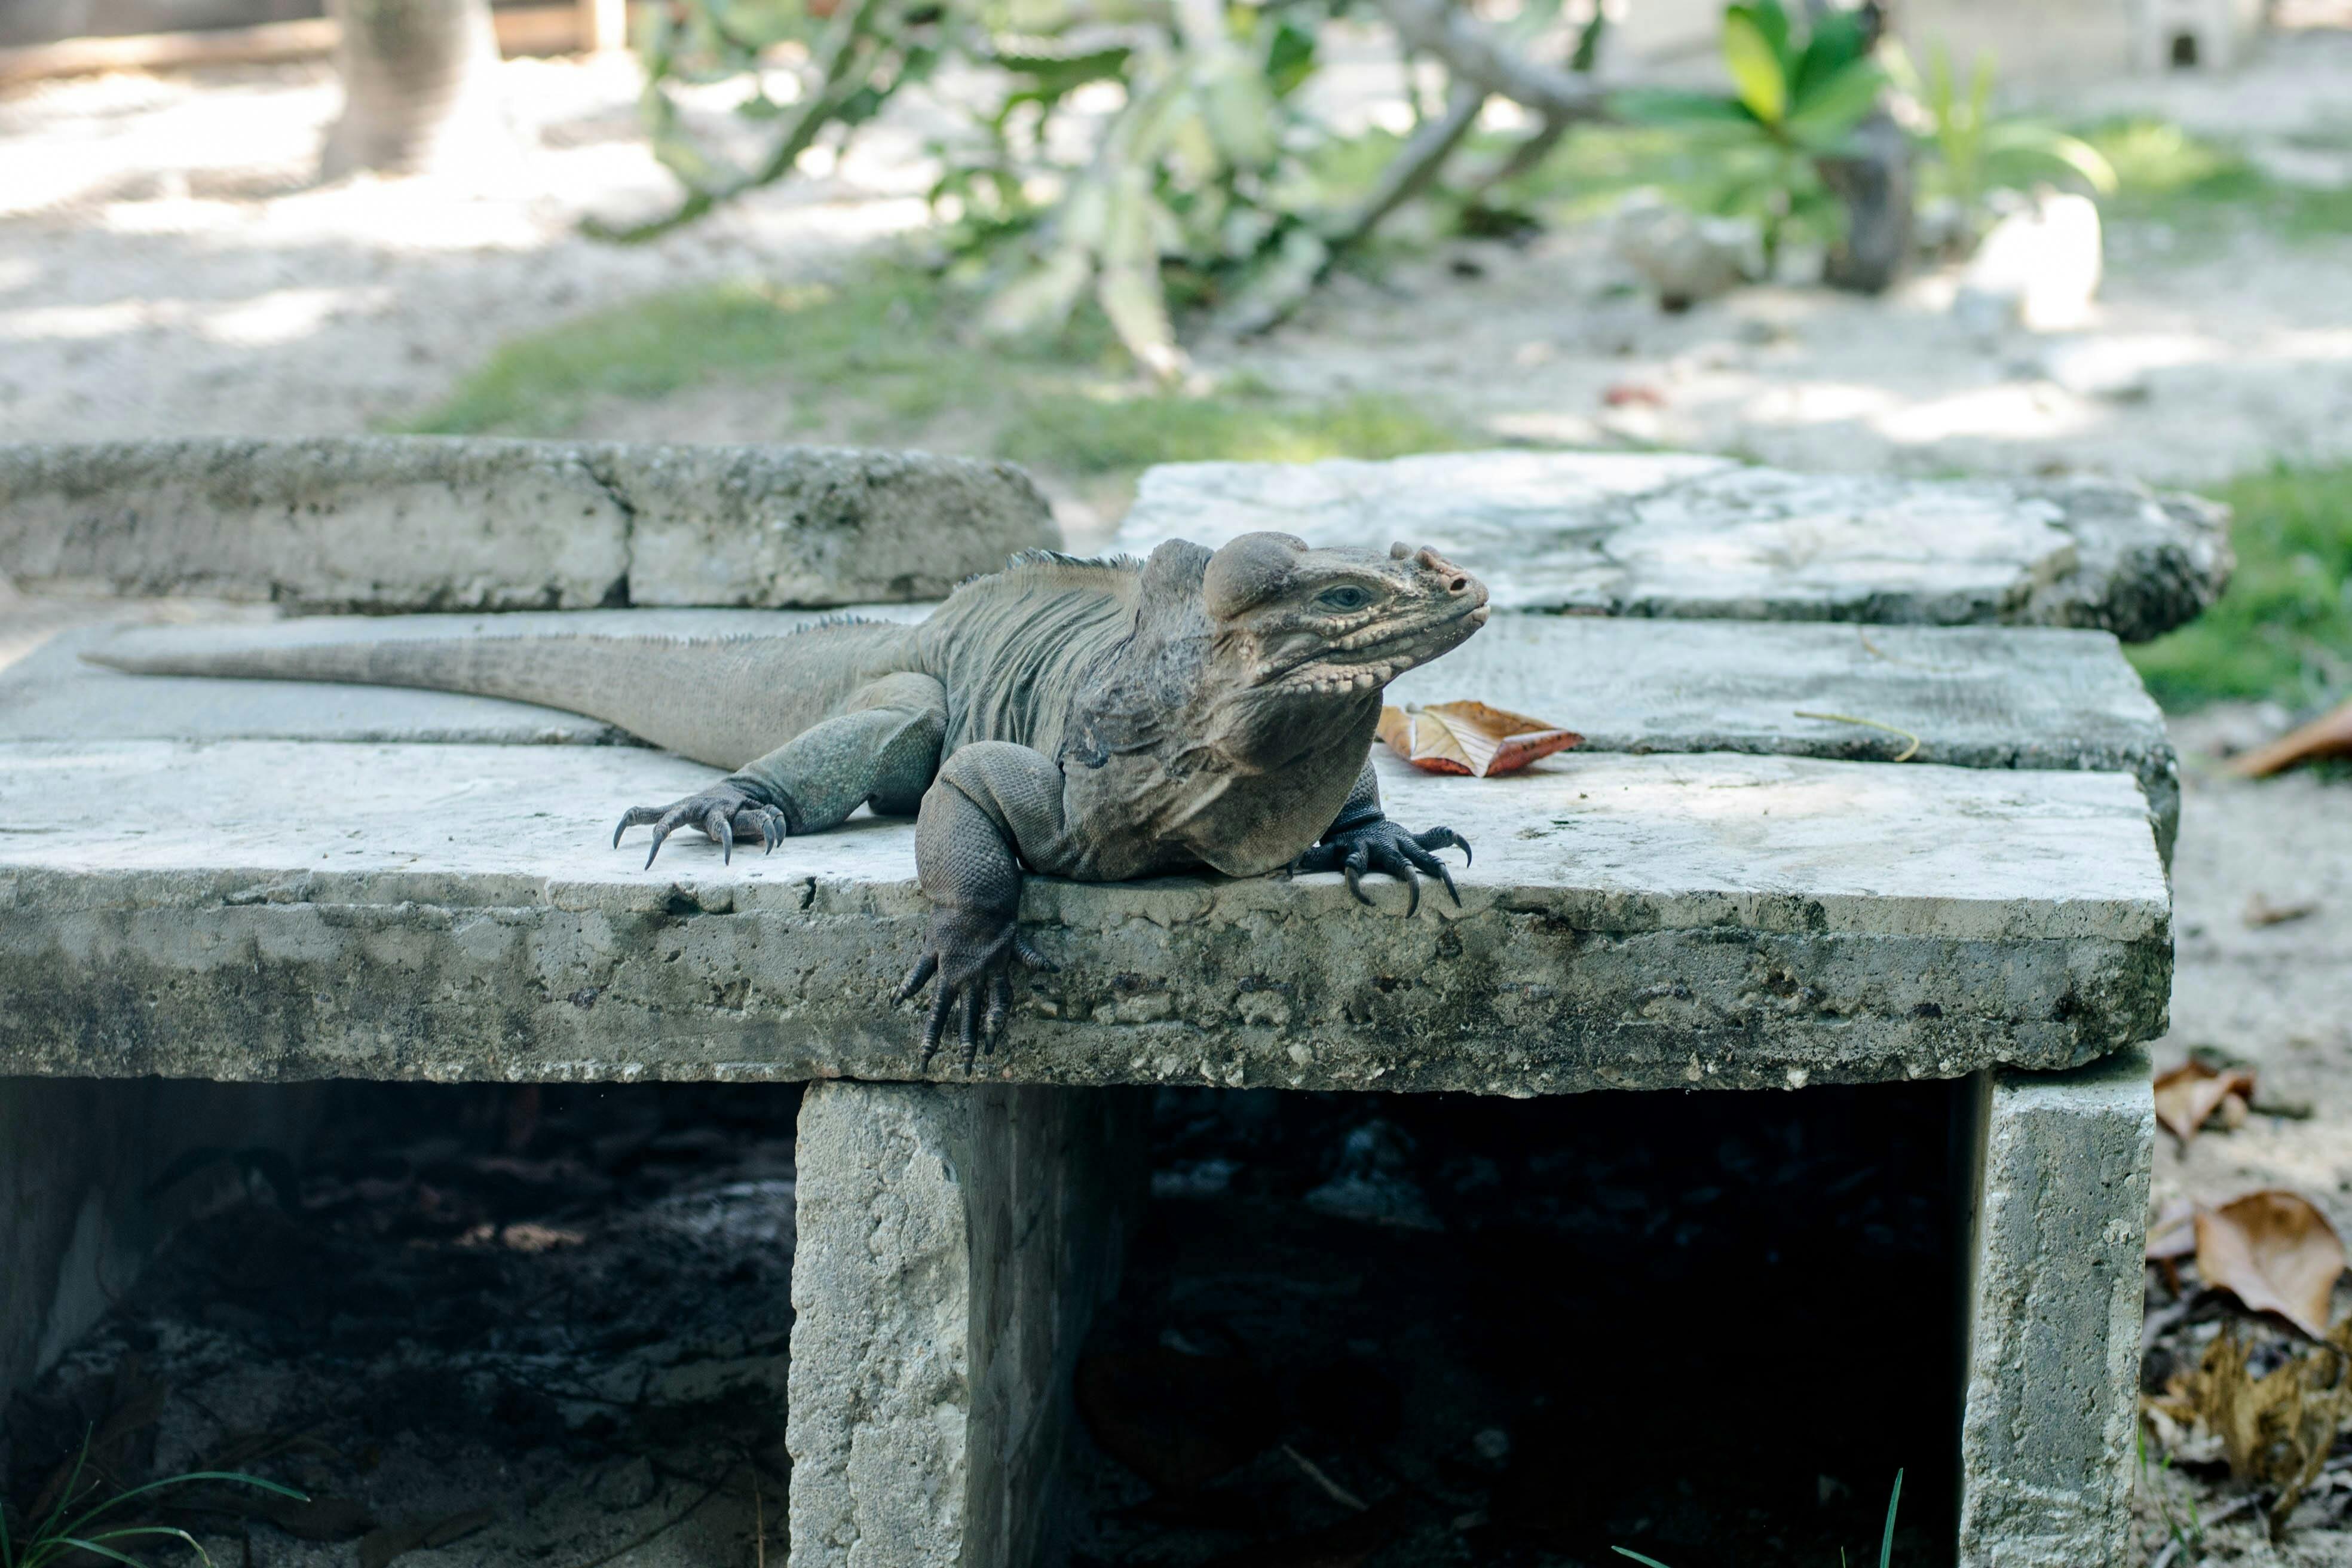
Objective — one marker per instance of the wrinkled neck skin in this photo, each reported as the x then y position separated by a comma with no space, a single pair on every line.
1233,717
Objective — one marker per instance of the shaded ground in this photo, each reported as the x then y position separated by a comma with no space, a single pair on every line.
521,1326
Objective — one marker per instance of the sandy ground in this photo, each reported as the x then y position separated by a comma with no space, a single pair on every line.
165,268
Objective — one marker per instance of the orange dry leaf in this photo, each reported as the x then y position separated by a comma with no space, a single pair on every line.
2328,737
1470,737
2191,1092
2275,1252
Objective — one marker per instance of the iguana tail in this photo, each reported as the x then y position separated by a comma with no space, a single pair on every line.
722,700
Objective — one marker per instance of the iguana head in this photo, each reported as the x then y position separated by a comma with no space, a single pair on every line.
1319,622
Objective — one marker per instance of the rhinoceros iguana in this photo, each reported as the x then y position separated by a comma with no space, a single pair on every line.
1095,720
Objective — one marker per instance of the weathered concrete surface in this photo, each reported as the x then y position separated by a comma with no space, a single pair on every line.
2023,697
80,1211
2053,1313
1704,538
953,1246
272,910
1977,698
440,523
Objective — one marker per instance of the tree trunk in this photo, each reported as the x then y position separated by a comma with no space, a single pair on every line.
420,86
1875,185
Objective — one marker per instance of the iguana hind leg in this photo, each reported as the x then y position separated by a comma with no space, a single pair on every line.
884,747
995,807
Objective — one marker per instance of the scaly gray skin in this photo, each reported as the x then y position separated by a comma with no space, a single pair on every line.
1094,719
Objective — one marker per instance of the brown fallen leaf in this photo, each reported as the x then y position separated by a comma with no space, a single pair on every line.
2191,1093
2326,737
2275,1430
2275,1252
2261,911
379,1547
1470,737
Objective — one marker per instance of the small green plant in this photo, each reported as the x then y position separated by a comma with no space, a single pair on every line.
1976,149
1885,1540
1799,97
62,1534
2284,629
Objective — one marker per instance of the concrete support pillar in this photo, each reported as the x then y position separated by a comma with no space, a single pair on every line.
2056,1240
953,1244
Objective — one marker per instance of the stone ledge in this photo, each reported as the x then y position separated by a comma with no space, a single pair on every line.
2026,698
278,911
1705,538
416,522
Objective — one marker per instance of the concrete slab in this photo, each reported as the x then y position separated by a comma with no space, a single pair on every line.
435,524
953,1246
1977,698
278,910
2056,1294
1703,538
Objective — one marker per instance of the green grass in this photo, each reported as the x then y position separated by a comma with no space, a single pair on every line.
2284,630
2166,174
887,355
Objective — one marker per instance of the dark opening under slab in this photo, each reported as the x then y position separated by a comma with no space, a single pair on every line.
1708,1327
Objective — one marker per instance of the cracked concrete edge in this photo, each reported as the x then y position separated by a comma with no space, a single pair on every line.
953,1246
2146,560
1504,1004
2055,1257
411,523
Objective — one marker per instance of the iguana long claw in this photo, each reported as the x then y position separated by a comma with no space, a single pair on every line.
1382,846
725,812
925,967
973,967
1444,838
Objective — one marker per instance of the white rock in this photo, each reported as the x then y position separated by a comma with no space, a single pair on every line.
1682,256
2037,268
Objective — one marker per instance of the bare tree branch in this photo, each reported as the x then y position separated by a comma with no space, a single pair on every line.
1416,163
1474,56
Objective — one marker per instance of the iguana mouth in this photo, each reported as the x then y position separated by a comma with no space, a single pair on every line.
1372,665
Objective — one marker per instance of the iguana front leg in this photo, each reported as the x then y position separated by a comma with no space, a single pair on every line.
994,808
1362,839
884,747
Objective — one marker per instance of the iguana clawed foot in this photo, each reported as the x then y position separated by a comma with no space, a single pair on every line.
725,812
1382,846
972,953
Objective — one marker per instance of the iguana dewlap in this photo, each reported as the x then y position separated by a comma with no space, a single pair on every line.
1095,720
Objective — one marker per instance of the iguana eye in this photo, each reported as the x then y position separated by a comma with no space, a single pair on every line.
1343,597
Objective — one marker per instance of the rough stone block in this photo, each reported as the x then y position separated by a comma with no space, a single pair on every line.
275,910
2054,1255
438,523
1704,538
953,1246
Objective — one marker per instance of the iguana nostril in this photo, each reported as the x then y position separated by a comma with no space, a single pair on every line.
1457,584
